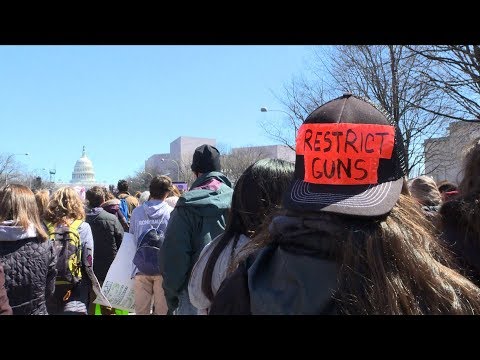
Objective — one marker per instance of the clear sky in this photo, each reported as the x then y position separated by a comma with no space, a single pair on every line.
126,103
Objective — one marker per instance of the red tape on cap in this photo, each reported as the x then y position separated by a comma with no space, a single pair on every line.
344,154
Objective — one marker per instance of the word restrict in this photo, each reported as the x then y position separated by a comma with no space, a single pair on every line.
342,153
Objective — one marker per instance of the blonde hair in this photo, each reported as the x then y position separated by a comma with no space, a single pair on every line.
109,195
42,197
425,190
174,191
65,204
17,203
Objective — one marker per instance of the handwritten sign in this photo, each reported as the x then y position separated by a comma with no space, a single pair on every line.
118,287
342,153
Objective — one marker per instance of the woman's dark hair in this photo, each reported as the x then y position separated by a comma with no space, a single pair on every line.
258,191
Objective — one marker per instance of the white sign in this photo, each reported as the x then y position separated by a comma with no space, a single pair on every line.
118,286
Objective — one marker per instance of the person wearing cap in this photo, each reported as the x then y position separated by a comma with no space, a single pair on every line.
199,216
350,239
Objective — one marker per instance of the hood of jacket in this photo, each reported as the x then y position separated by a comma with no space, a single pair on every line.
296,274
11,232
154,208
209,195
111,202
94,211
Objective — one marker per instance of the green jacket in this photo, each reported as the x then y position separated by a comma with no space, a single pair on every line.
199,216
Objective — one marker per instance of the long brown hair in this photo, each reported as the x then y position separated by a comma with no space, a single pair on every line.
391,265
65,205
17,203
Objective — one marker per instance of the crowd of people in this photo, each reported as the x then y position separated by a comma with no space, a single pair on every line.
340,231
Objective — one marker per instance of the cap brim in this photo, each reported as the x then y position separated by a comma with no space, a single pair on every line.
358,200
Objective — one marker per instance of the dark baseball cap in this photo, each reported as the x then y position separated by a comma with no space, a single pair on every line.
206,158
350,160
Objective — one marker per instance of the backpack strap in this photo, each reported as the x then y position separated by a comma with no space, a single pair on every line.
76,224
50,228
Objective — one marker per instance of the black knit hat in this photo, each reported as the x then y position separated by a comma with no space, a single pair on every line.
349,160
206,158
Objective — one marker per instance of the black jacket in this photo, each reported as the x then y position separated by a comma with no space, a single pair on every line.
292,275
29,265
107,235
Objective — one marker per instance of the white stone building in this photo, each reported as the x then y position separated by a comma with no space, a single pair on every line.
444,155
83,172
83,176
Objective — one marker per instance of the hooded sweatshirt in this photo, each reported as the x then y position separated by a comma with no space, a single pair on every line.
199,216
29,266
113,207
152,213
195,292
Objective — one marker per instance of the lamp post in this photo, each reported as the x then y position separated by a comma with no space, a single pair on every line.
7,161
264,109
178,167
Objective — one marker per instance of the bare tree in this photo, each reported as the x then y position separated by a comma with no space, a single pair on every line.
300,98
10,169
455,70
392,76
140,181
236,161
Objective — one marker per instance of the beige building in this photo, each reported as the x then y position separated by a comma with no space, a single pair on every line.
444,155
176,164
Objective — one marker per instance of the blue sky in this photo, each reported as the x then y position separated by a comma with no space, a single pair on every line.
126,103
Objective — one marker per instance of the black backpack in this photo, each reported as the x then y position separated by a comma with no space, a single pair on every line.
147,256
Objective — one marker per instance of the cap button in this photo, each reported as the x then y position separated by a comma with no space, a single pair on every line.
347,94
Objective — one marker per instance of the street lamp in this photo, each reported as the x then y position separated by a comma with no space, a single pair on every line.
264,109
178,167
7,161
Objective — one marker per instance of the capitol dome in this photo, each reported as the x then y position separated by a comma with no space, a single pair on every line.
83,172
